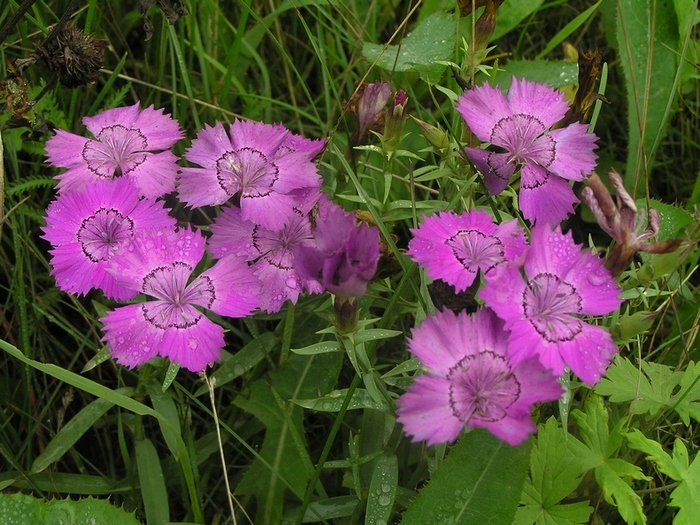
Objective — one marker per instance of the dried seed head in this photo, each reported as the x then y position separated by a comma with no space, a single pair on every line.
74,56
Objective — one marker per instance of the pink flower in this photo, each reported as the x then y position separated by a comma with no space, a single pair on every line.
168,323
267,166
126,143
543,310
88,228
455,247
471,381
519,126
269,253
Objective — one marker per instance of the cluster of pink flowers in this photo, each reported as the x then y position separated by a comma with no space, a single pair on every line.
488,369
109,230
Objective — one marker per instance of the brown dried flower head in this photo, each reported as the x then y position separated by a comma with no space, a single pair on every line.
74,56
624,223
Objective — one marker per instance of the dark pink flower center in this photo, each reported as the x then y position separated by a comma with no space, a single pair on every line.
474,250
247,170
117,151
548,303
103,233
525,139
482,386
175,309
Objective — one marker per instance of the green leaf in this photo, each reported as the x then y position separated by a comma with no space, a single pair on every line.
374,334
554,73
686,401
154,492
333,401
554,475
511,13
73,431
430,42
163,404
382,490
21,509
649,391
650,67
569,28
480,481
609,472
323,347
686,495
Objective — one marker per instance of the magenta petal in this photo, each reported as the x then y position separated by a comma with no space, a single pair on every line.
482,108
266,138
194,347
156,176
122,116
512,430
65,149
574,159
200,187
160,129
538,385
272,210
232,235
589,354
209,145
424,411
545,198
497,168
544,103
132,340
503,293
235,289
525,342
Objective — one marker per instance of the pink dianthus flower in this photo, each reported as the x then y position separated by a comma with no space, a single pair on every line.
267,166
129,142
519,127
168,323
543,309
455,247
89,228
471,381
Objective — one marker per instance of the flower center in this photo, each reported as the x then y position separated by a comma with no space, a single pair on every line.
525,138
482,386
246,170
175,309
117,151
103,233
474,250
548,302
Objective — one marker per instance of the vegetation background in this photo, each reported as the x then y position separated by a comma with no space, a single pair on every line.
303,436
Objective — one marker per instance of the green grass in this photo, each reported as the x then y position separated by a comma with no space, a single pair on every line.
111,432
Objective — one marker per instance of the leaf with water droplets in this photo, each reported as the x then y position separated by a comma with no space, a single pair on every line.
20,509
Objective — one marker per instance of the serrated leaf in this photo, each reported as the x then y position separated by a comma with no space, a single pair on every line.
430,42
609,472
687,401
21,509
649,391
480,481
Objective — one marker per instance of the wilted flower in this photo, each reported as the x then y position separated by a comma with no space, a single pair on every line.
542,311
267,166
344,257
125,145
269,253
168,324
367,108
520,126
88,228
471,381
455,247
623,223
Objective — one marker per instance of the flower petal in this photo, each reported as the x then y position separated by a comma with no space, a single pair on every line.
545,198
538,100
482,108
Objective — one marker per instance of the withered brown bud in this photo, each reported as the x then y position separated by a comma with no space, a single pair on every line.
172,10
75,57
588,72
